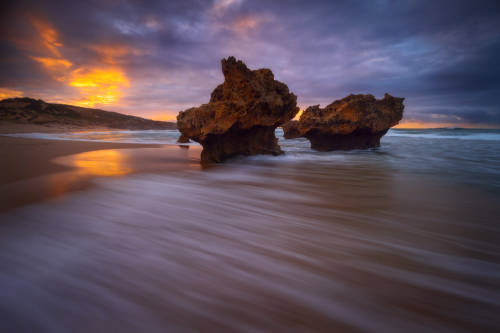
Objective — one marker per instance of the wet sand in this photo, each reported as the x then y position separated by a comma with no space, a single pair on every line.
252,245
386,240
8,127
32,170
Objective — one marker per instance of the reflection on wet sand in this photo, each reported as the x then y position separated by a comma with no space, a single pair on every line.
262,245
385,240
84,167
111,162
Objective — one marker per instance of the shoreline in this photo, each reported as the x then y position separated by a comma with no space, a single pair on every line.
13,128
20,154
34,170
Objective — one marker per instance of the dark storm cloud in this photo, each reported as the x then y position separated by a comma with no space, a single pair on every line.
441,55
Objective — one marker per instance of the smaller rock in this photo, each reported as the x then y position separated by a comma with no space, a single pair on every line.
354,122
291,129
183,139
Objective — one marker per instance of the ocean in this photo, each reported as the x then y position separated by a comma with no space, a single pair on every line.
404,237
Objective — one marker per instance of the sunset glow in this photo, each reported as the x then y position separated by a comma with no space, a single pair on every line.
164,58
152,179
9,93
164,117
101,85
48,36
429,125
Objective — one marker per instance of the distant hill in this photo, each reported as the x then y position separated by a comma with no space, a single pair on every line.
32,111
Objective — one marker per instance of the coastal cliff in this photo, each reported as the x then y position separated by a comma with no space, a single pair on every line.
35,111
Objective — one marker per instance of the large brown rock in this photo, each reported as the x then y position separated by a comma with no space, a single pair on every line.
241,116
354,122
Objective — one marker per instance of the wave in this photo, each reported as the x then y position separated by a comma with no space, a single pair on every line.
448,133
168,137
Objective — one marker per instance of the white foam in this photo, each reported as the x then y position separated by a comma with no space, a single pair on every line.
167,137
463,135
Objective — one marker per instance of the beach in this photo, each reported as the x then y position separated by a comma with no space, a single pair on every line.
402,237
29,171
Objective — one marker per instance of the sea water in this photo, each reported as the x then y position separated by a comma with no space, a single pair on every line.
404,237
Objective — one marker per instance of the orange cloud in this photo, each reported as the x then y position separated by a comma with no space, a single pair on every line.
9,93
57,67
101,85
48,35
54,62
165,117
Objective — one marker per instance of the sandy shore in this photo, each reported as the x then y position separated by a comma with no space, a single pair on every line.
8,128
32,170
27,158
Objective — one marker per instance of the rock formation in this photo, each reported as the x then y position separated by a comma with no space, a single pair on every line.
354,122
183,139
291,130
241,116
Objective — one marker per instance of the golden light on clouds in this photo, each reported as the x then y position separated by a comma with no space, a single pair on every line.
99,85
94,85
428,125
48,36
9,93
165,117
53,63
58,68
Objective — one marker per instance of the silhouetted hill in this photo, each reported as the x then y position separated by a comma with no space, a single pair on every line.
32,111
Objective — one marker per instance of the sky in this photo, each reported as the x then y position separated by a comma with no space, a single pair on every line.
156,58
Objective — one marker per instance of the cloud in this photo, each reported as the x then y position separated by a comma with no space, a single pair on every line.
9,93
93,85
440,55
48,36
99,86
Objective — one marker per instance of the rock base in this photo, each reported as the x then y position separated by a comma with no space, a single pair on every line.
183,139
252,141
355,140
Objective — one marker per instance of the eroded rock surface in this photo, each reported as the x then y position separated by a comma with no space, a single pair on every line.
183,139
241,116
354,122
291,129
